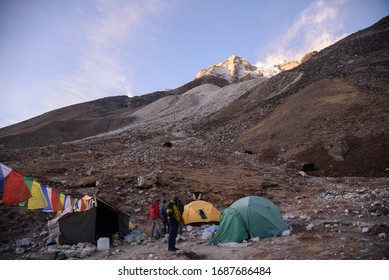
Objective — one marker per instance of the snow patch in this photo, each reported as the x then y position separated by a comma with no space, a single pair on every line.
233,70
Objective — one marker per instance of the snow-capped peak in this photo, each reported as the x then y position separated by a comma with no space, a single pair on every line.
234,69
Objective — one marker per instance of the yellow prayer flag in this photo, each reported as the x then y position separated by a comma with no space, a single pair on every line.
62,198
38,200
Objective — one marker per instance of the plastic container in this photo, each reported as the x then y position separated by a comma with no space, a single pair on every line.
103,244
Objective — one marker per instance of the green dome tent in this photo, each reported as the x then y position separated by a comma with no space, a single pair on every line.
251,216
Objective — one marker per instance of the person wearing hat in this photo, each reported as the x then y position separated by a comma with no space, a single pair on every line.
155,217
174,219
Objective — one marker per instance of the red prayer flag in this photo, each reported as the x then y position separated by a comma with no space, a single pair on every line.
55,201
16,190
81,205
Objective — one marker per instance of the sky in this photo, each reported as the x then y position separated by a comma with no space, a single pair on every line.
55,53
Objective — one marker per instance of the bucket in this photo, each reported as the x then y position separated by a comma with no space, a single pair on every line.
103,244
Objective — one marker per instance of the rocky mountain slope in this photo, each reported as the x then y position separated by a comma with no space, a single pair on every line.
228,141
87,119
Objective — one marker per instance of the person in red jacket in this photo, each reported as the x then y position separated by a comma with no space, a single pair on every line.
155,218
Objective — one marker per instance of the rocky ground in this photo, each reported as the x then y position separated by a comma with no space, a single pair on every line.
329,217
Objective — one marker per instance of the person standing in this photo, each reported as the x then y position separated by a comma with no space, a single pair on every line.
164,217
181,208
174,219
155,218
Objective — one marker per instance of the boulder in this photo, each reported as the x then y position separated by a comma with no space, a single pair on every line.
20,250
25,242
308,56
72,253
286,233
61,256
53,249
311,226
365,230
146,181
339,150
207,236
87,252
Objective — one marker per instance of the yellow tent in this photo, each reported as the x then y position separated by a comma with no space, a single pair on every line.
200,211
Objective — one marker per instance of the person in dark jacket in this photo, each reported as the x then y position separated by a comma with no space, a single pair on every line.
155,218
174,219
181,208
164,217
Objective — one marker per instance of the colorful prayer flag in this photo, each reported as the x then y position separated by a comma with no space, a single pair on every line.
74,204
28,181
38,200
4,172
68,204
47,193
61,197
16,190
56,204
53,199
81,205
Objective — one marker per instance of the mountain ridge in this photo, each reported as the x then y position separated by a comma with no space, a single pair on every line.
234,69
237,69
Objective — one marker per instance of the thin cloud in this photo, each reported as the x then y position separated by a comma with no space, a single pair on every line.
89,55
108,38
315,28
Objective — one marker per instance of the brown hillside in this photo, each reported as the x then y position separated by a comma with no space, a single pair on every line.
319,116
87,119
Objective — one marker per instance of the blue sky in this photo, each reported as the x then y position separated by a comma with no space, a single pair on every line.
54,53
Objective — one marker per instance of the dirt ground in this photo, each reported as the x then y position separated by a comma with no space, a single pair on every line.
330,218
330,226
